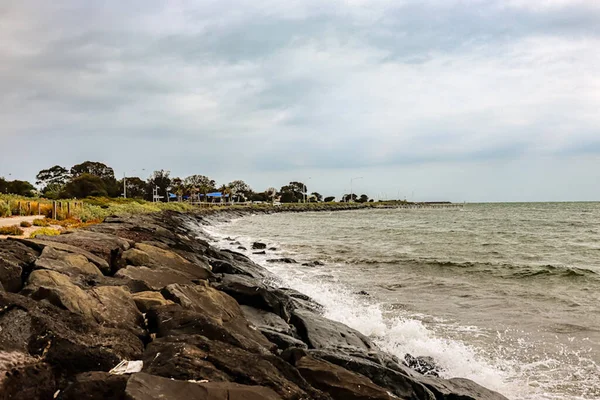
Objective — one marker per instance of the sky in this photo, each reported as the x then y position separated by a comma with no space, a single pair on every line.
481,100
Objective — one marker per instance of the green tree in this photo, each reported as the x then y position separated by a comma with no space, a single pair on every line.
329,199
200,184
240,190
85,185
293,192
363,198
315,196
160,179
21,188
103,171
52,180
136,188
346,198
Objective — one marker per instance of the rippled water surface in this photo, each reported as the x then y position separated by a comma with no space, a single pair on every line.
505,294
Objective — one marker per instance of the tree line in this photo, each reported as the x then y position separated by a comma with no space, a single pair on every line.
95,179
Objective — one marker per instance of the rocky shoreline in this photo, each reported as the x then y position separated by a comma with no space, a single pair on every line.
181,319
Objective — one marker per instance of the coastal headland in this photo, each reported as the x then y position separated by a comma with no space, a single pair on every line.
181,319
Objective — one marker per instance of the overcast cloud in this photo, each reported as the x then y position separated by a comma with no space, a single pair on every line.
483,100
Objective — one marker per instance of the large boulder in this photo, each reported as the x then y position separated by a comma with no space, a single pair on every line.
273,327
200,358
217,306
14,259
142,386
155,257
39,245
70,264
340,383
67,341
110,305
252,292
105,246
321,333
383,369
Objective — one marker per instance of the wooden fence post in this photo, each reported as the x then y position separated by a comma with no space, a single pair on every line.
69,209
53,209
39,208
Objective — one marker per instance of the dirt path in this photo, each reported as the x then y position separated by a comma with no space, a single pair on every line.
17,220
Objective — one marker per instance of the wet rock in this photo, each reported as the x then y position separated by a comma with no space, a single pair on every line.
156,258
241,366
146,300
66,263
67,341
218,307
363,293
179,360
313,264
321,333
272,248
423,365
148,387
39,245
258,246
383,369
105,246
260,252
153,278
96,385
173,320
242,248
458,388
14,259
274,328
284,260
340,383
252,292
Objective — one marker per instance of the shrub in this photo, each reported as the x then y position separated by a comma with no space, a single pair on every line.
11,230
45,232
5,210
40,222
25,224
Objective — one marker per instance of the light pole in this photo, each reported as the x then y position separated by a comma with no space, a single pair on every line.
351,191
125,183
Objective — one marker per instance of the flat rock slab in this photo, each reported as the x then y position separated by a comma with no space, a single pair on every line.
238,364
110,305
70,264
105,246
153,278
39,245
155,257
142,386
340,383
95,385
